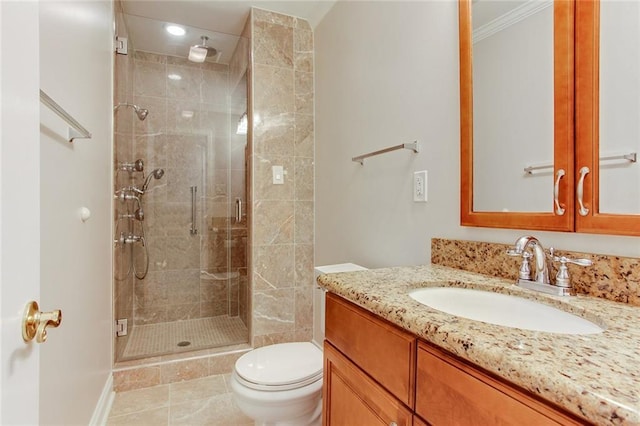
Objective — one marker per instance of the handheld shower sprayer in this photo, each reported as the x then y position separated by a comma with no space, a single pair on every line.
156,174
140,112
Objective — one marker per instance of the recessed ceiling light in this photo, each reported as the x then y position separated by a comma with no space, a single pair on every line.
175,77
175,30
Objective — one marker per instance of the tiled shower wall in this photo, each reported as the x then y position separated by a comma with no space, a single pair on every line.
282,215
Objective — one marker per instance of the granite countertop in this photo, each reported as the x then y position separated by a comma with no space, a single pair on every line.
595,376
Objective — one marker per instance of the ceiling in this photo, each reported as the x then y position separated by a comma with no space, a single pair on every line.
221,21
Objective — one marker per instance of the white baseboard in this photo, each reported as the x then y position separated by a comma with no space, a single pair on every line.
101,412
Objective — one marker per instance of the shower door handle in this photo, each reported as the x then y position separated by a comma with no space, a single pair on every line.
238,210
193,230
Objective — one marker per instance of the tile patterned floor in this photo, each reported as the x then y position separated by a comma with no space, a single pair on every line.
161,339
206,401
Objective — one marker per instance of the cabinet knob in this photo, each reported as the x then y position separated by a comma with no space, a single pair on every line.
393,424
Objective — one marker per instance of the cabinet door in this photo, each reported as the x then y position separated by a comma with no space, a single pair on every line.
498,186
607,109
450,393
350,397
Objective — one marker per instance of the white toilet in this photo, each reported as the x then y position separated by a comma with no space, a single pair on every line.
282,384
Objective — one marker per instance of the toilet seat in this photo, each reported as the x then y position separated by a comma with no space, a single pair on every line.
280,367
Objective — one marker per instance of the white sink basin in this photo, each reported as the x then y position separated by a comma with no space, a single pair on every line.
504,310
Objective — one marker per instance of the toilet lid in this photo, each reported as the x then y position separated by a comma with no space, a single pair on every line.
281,364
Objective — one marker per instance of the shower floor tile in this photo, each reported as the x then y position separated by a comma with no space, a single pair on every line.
172,337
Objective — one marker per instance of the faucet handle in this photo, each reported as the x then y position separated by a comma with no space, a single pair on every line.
562,277
524,272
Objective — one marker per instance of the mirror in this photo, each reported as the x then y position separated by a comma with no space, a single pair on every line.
512,105
619,107
516,89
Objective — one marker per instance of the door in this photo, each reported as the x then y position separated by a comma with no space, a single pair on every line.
19,208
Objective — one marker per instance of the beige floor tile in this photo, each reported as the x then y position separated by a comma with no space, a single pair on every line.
219,410
227,381
140,400
192,390
154,417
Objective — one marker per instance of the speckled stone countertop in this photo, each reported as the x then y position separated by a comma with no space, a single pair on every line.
595,376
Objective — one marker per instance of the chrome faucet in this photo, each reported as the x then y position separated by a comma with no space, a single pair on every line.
539,257
541,282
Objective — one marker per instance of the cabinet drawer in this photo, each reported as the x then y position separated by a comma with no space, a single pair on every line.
382,350
450,392
352,398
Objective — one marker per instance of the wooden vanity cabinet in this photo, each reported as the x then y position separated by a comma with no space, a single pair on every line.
378,374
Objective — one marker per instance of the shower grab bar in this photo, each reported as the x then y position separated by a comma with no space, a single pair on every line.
77,130
238,210
412,146
632,157
193,230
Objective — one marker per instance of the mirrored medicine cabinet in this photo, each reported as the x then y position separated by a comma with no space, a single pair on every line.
550,115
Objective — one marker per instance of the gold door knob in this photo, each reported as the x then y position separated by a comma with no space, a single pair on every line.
35,323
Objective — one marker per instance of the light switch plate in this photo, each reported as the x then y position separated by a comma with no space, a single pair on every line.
278,175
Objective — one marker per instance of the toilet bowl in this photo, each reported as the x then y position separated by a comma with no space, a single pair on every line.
281,385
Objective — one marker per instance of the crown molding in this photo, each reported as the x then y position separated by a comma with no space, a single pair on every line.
510,18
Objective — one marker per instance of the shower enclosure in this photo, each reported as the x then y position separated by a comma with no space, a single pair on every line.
180,235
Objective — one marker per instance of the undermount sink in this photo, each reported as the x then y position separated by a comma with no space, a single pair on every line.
503,309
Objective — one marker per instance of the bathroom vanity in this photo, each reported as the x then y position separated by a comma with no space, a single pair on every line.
390,360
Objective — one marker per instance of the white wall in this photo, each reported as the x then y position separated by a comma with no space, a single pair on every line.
76,71
387,73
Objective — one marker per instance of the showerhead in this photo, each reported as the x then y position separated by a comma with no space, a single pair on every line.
140,112
200,52
156,174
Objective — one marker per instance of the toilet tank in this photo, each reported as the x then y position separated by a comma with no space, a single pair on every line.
318,297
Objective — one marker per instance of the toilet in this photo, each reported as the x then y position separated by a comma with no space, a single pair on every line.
281,385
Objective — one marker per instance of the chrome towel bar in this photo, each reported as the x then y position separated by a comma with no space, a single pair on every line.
77,130
412,146
632,157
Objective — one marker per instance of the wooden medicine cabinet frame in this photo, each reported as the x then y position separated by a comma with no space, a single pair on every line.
588,126
576,36
563,129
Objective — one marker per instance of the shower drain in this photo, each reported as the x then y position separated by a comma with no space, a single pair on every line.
184,343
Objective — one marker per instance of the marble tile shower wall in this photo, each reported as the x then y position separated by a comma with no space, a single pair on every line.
187,134
282,215
610,277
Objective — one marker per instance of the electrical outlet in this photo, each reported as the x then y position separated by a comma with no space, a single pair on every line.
420,186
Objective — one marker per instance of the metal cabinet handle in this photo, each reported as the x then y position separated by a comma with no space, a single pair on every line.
238,210
580,192
556,192
193,230
35,323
